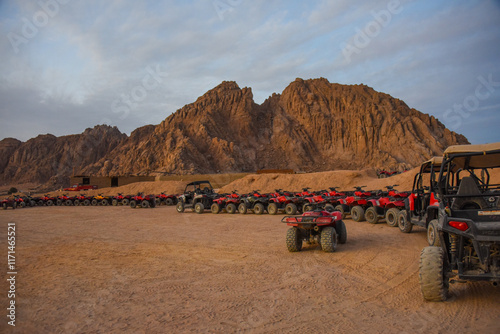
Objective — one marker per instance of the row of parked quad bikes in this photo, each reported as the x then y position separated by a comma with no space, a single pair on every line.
139,200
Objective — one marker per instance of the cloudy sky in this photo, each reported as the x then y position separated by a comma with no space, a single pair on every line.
67,65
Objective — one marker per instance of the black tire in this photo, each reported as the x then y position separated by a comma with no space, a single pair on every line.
4,206
94,202
329,208
371,215
104,202
434,282
114,202
340,209
133,204
328,239
169,201
307,207
358,213
199,208
392,216
180,207
152,204
59,202
291,209
40,203
231,208
272,208
68,202
145,204
293,240
86,202
404,223
22,204
242,208
433,234
258,209
341,232
50,202
125,201
158,201
76,202
215,208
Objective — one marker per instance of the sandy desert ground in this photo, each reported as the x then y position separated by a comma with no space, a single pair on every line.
117,269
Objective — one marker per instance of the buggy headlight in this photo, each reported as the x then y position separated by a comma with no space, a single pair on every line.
491,199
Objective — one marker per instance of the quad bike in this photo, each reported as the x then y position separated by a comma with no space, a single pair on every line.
198,195
65,200
386,207
467,222
315,227
143,201
82,200
47,200
166,199
227,202
20,203
101,200
120,199
422,206
255,202
283,201
6,202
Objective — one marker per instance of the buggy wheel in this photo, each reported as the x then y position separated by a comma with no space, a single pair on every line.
391,217
242,208
272,208
114,202
358,213
231,208
199,208
341,232
293,240
133,204
258,209
434,282
432,233
145,204
404,223
329,208
215,208
180,207
328,239
340,209
371,215
290,209
86,202
169,201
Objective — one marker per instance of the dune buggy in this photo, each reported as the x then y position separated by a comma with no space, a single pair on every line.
198,195
315,227
468,222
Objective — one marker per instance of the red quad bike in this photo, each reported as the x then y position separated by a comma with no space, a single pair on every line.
255,202
313,227
166,199
386,207
82,200
317,201
355,205
282,201
47,200
20,203
228,202
64,200
143,201
422,206
121,199
6,202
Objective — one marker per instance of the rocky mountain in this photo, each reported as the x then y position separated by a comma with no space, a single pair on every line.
313,125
